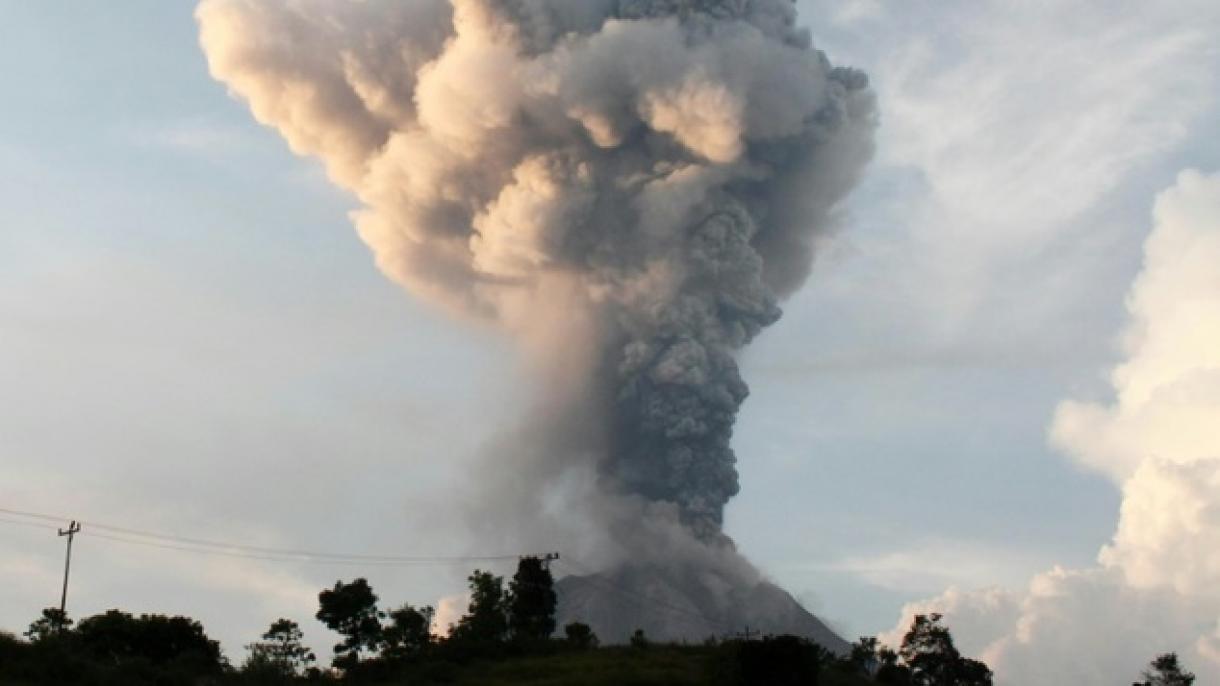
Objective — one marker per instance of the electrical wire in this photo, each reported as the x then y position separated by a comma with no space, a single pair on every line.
19,522
336,561
212,547
201,546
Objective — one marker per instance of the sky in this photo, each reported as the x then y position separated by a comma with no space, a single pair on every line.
194,341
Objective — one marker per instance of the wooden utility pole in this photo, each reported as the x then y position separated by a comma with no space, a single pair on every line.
73,529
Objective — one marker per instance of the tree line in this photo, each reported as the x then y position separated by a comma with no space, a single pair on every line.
503,622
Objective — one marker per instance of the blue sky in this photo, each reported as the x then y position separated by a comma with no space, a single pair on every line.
193,339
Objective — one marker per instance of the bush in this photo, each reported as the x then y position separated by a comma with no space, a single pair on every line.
580,636
773,661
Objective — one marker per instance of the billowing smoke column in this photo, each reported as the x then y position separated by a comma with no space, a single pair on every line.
634,183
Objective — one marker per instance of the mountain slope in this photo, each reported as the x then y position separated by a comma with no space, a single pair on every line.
616,604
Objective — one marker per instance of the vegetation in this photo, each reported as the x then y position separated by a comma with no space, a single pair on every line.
486,622
929,658
52,621
112,648
280,656
505,638
580,636
350,610
531,601
1165,671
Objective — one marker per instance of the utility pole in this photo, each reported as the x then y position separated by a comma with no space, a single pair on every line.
73,529
545,559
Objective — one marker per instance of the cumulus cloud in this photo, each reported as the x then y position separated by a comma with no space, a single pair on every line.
1169,528
1155,585
1071,626
448,611
1167,391
978,618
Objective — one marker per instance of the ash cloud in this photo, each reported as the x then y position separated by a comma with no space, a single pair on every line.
627,186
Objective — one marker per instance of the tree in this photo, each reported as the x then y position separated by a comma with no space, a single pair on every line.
485,620
929,654
280,653
1165,671
351,610
53,621
531,601
863,656
889,670
117,637
408,633
580,636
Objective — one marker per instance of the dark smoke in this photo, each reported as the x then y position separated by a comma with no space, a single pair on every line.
629,186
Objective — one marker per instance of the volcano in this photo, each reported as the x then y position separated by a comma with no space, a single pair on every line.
616,604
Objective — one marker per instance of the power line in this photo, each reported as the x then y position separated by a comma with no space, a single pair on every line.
21,522
129,536
212,547
32,515
329,560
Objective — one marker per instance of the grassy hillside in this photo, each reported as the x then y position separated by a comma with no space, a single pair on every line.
659,665
780,661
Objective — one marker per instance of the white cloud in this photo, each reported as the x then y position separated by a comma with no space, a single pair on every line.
1155,588
985,263
1070,627
1169,530
932,564
449,609
978,618
1168,389
1005,127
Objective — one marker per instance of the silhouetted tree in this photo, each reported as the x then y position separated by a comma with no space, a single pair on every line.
580,635
928,651
280,653
863,656
639,639
52,622
351,610
531,601
409,632
485,620
116,637
889,670
1165,671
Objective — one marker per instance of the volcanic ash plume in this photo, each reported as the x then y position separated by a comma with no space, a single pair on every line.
628,186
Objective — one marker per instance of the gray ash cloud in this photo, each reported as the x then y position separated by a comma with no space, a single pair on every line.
629,187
